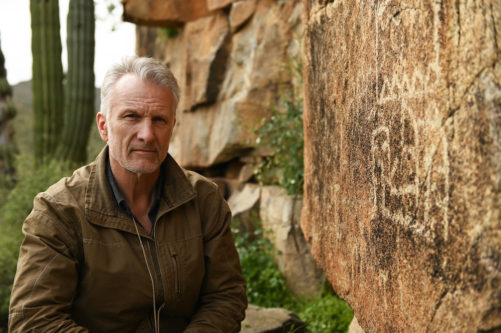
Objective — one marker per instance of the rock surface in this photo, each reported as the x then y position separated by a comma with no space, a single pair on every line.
240,12
403,160
244,207
271,320
218,4
229,74
280,214
207,50
355,327
169,13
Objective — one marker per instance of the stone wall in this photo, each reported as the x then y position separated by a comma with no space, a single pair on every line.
403,159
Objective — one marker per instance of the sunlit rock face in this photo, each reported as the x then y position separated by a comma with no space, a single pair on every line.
230,66
164,13
403,159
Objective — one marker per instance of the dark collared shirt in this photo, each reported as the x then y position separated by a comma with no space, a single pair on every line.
159,186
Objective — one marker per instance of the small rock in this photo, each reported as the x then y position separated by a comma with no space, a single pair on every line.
271,320
355,327
244,207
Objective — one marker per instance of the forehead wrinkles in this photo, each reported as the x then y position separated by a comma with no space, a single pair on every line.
146,103
133,93
143,104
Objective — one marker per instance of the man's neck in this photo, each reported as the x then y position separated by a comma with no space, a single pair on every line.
137,189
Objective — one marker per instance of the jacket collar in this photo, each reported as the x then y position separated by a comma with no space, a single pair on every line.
102,209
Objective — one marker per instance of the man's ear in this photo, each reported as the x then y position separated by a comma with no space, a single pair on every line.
101,126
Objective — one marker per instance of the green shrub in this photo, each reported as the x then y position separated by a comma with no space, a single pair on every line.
19,203
266,287
326,314
265,283
283,134
168,32
5,88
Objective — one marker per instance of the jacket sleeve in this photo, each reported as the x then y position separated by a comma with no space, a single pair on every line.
222,300
47,274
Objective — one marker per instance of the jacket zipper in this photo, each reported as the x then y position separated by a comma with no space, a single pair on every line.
156,265
176,273
173,253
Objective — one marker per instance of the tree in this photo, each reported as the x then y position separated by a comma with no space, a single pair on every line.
62,133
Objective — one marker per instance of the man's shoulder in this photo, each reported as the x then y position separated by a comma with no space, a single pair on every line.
63,203
71,188
187,180
200,184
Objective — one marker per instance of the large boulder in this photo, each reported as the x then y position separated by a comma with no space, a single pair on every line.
230,67
280,214
402,123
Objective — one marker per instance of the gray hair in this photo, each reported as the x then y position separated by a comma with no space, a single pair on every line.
147,69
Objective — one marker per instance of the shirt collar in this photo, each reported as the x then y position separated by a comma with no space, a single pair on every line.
122,203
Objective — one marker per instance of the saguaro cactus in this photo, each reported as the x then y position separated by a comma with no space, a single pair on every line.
7,112
5,88
79,91
47,77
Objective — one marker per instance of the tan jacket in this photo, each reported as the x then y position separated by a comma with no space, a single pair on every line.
81,267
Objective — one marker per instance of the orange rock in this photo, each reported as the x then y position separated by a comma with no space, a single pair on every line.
164,13
228,79
240,12
218,4
402,168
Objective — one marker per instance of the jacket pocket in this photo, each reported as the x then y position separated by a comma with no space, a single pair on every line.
176,264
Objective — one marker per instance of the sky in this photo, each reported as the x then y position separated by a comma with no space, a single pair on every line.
114,38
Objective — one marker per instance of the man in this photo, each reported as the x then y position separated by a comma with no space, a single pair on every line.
131,242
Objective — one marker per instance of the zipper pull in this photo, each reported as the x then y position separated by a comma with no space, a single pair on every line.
176,265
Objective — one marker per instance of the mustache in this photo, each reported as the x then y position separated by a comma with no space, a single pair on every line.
142,147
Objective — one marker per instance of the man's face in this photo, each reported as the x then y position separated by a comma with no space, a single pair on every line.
139,124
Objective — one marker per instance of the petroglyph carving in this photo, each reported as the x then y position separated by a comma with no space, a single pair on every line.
400,113
411,185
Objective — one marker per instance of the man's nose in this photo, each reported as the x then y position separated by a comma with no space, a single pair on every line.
145,132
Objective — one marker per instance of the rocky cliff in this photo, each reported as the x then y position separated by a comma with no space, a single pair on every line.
229,66
403,159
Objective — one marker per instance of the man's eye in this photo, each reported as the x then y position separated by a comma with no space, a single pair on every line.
159,120
130,115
